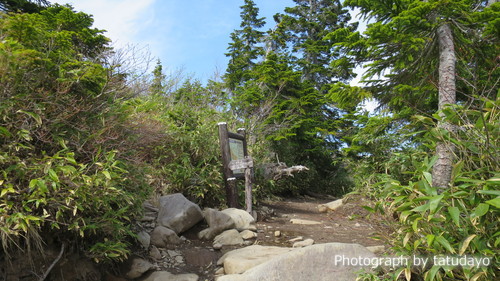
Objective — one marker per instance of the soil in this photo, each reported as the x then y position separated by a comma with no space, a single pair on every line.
351,223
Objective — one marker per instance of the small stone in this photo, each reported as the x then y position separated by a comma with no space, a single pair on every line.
138,268
163,237
357,225
146,218
228,238
305,222
277,233
252,227
144,239
220,271
172,253
155,253
165,275
334,205
322,209
299,238
179,259
301,244
247,234
150,207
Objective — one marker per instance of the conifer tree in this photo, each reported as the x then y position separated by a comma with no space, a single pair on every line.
307,24
245,48
424,56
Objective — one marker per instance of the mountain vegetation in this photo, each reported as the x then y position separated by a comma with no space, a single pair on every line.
87,133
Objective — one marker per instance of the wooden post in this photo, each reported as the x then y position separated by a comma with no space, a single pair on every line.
246,164
248,174
230,185
248,189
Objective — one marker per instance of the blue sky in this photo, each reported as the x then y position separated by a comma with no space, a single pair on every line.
191,35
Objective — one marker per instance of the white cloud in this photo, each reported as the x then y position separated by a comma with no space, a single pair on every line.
122,19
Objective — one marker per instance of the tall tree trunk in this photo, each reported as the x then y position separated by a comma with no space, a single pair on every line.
441,173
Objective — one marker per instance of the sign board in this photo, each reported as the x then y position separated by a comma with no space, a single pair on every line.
237,152
236,165
241,164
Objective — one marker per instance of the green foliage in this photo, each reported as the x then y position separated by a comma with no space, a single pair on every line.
25,6
186,156
462,220
400,50
278,88
244,48
65,173
306,25
61,197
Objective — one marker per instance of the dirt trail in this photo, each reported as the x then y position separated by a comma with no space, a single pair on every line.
348,224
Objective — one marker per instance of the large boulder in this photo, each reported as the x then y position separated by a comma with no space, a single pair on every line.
242,219
163,237
217,222
322,262
178,213
240,260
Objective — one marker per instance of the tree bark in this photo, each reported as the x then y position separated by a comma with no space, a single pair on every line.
442,170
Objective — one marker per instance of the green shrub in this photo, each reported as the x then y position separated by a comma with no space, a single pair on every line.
66,172
462,220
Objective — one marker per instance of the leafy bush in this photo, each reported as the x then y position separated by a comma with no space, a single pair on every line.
462,220
186,159
65,174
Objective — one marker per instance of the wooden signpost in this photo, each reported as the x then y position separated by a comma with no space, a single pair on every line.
236,165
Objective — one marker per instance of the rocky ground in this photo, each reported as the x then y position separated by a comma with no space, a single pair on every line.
179,241
293,222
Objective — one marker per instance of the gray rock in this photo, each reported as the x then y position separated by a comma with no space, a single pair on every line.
241,218
334,205
178,213
138,267
321,262
155,253
164,237
220,271
217,222
305,243
306,222
144,238
173,253
248,234
147,218
167,276
228,238
149,207
240,260
298,238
